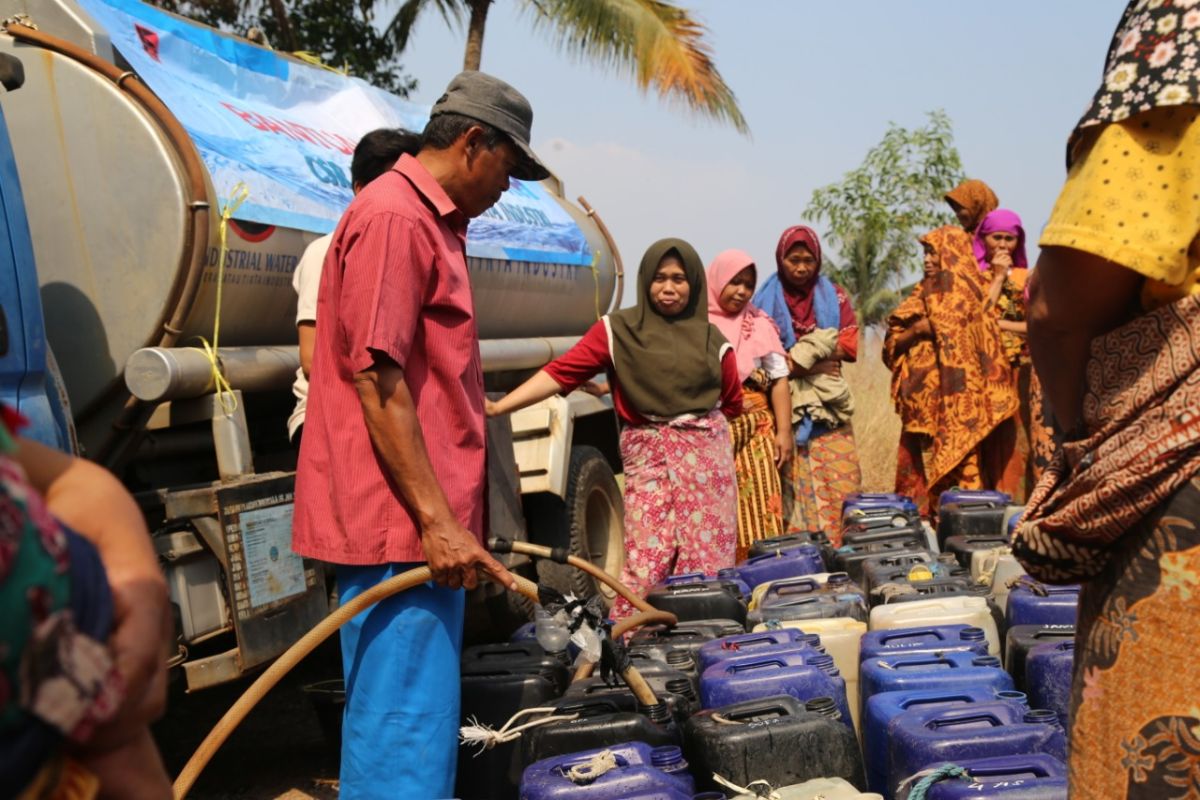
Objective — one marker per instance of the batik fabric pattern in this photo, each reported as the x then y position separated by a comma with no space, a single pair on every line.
816,480
1141,410
759,494
680,501
954,391
1135,706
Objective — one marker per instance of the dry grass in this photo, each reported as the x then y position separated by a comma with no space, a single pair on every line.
876,425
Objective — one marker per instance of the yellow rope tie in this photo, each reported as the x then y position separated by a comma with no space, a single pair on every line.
595,268
309,57
225,394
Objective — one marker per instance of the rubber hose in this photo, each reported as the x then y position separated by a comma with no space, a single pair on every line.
186,285
294,655
539,551
588,668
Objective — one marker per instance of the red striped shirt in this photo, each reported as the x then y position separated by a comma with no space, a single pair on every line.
394,286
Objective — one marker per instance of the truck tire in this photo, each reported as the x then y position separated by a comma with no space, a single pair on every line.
589,523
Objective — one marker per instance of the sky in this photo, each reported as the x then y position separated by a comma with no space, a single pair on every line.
818,81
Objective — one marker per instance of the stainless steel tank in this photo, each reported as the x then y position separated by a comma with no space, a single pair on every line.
108,204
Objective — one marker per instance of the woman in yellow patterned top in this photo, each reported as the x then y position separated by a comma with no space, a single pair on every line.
1114,331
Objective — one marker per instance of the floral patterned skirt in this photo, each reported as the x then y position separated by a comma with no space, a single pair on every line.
680,501
816,480
759,496
1135,710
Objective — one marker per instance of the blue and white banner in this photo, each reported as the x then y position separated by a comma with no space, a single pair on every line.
288,129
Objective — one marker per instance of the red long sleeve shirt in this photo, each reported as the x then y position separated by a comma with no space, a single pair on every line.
591,355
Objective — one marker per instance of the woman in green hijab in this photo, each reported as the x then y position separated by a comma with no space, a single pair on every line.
674,382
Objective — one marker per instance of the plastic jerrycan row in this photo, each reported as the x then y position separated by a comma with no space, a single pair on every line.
754,643
818,789
923,738
498,680
927,640
805,607
940,671
786,541
1021,639
798,671
791,562
659,641
639,770
850,558
782,598
1033,776
694,596
1033,603
1048,670
880,709
965,610
599,722
759,591
777,739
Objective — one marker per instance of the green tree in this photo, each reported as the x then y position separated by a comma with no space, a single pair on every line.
342,34
661,45
875,214
861,270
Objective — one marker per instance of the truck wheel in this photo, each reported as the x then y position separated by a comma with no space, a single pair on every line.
590,524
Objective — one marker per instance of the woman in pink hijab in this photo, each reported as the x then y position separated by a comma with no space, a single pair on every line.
762,435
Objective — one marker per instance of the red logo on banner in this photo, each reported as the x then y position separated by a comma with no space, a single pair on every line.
149,40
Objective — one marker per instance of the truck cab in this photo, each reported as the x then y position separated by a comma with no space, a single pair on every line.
27,368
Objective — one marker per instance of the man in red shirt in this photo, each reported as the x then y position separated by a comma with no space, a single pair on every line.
392,463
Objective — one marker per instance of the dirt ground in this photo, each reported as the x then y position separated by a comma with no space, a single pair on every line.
278,752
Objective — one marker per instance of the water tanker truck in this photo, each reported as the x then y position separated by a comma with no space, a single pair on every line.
160,181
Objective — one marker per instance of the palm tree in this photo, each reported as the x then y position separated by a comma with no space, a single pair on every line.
865,273
661,44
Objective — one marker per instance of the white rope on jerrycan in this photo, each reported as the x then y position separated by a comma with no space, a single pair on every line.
487,737
764,790
603,762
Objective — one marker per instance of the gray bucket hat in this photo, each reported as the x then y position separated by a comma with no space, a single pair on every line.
488,99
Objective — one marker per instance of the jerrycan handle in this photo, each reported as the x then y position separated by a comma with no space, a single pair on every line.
760,663
507,651
799,585
686,577
1014,770
758,710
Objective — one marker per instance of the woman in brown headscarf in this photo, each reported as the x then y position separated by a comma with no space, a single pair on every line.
674,382
971,201
951,381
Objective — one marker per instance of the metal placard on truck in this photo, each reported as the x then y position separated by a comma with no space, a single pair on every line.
276,595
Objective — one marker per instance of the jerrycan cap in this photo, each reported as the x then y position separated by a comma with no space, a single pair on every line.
972,634
824,663
986,661
825,706
1013,696
680,686
680,658
1041,715
668,758
919,572
810,639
